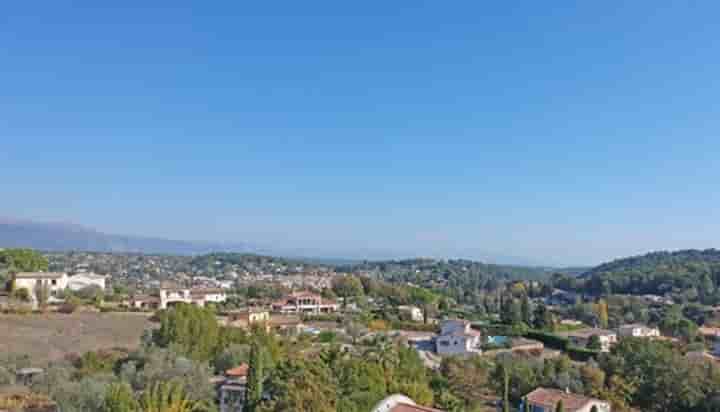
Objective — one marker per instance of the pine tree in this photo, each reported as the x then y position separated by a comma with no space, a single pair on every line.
560,406
256,375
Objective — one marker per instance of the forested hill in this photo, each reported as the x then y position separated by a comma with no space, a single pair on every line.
693,271
453,269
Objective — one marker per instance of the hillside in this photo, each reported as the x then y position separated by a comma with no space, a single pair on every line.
67,237
692,271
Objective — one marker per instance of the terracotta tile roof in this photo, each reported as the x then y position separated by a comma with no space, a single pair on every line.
238,371
406,407
550,397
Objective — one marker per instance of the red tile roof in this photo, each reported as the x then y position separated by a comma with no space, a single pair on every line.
238,371
549,398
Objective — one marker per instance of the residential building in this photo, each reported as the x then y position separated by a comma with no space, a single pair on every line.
231,392
55,281
637,330
562,297
582,337
85,279
246,318
546,400
144,302
305,302
401,403
457,338
412,313
198,297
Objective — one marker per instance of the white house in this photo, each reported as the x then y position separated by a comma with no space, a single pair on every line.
55,281
83,280
199,297
546,400
457,338
401,403
414,313
637,330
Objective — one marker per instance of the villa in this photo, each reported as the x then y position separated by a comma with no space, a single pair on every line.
55,281
546,400
457,338
305,302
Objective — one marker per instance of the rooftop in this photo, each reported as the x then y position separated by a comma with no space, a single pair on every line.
238,371
586,333
550,397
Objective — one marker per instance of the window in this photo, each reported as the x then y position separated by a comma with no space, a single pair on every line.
54,282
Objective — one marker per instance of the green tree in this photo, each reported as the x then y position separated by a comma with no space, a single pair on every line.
594,342
347,287
192,330
301,386
543,319
601,309
560,406
169,397
425,299
22,294
506,389
526,310
256,377
23,260
594,409
449,402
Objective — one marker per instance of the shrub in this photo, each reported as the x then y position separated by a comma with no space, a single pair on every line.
579,354
70,305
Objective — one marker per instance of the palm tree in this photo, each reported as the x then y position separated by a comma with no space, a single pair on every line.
169,397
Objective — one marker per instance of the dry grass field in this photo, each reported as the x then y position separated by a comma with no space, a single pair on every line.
51,336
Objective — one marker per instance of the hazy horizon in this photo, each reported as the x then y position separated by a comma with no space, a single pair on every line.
557,135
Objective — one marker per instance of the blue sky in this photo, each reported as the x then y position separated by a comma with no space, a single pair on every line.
564,134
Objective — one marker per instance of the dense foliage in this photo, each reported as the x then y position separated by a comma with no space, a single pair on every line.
693,274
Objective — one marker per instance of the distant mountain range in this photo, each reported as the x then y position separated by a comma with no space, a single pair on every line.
66,237
63,237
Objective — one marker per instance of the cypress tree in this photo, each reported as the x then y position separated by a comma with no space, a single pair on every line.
506,391
256,371
525,309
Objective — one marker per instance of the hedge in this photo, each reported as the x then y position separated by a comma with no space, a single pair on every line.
549,340
579,354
